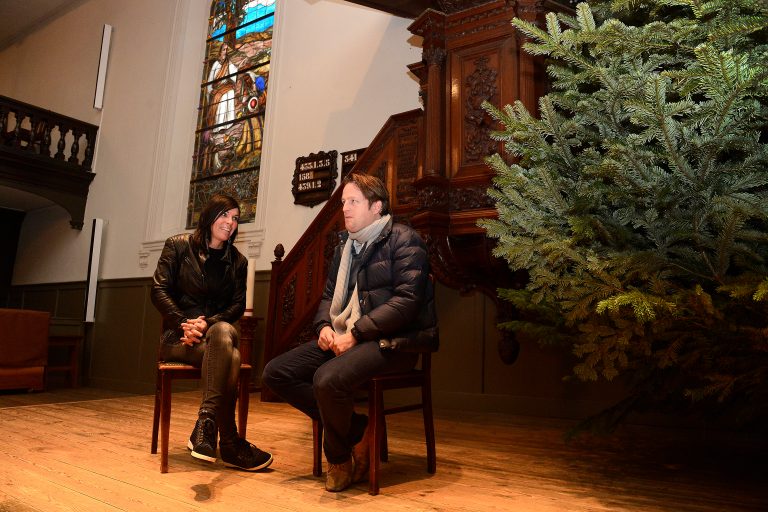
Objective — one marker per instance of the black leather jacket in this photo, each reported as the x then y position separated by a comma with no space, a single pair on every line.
395,292
180,290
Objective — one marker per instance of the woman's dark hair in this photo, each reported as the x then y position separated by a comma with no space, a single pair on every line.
373,189
217,204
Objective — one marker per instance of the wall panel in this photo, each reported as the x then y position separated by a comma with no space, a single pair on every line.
121,350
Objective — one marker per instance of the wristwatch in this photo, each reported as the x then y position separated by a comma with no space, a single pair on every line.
355,333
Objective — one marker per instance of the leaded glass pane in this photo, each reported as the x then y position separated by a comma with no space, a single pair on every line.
233,98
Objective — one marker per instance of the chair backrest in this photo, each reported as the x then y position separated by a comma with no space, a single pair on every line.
247,329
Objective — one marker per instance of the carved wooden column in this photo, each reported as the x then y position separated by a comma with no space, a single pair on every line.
267,395
433,110
532,71
430,26
431,186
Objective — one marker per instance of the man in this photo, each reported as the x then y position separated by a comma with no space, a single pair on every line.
377,310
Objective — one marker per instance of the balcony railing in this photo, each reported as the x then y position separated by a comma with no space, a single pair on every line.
47,154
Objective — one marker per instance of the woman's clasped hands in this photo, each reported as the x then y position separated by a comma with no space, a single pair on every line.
194,329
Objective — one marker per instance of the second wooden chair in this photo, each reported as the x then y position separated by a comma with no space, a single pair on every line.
418,377
167,372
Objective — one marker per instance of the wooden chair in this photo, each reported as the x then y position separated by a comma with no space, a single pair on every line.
73,346
167,372
418,377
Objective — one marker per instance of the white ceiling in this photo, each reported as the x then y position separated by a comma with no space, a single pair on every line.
22,17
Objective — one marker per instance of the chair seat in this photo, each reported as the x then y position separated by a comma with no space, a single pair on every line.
186,371
178,368
169,365
411,379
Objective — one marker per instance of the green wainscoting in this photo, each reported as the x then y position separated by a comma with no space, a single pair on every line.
120,349
120,346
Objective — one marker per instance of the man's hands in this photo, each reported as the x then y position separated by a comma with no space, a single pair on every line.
194,329
339,343
325,337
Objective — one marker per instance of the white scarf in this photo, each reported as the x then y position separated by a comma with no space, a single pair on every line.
343,320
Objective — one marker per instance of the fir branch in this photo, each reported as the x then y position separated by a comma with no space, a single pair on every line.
643,305
762,291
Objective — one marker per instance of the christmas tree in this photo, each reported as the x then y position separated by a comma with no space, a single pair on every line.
636,198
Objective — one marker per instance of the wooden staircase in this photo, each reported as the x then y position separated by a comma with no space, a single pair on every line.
297,280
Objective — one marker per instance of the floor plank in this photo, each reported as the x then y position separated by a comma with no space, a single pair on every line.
88,449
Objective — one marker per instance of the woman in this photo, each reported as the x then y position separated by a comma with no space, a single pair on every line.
199,289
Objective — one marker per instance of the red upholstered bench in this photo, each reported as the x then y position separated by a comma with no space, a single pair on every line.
23,348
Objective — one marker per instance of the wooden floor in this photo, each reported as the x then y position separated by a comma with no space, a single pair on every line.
88,450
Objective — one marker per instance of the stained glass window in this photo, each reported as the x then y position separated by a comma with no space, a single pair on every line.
233,96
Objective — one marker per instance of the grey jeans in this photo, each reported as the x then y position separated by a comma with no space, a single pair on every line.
218,357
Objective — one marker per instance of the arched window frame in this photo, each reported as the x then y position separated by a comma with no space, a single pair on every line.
232,105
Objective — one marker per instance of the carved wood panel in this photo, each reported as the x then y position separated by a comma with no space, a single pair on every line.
406,162
478,74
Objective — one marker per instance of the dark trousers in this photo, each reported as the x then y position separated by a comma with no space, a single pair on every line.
218,357
322,386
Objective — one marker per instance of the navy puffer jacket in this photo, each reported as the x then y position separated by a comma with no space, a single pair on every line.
395,292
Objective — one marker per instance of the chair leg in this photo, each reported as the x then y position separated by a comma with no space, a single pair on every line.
317,448
243,401
165,421
429,426
156,414
384,445
74,364
375,419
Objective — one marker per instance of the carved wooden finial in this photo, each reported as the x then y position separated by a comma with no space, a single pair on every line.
279,252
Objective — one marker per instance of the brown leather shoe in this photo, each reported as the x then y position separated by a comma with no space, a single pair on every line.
362,457
339,476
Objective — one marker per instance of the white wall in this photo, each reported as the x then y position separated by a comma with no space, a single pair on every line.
338,72
56,68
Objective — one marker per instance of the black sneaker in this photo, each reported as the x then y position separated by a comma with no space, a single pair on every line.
244,455
202,442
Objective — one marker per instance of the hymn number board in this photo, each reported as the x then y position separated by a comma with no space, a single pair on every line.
348,161
315,178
